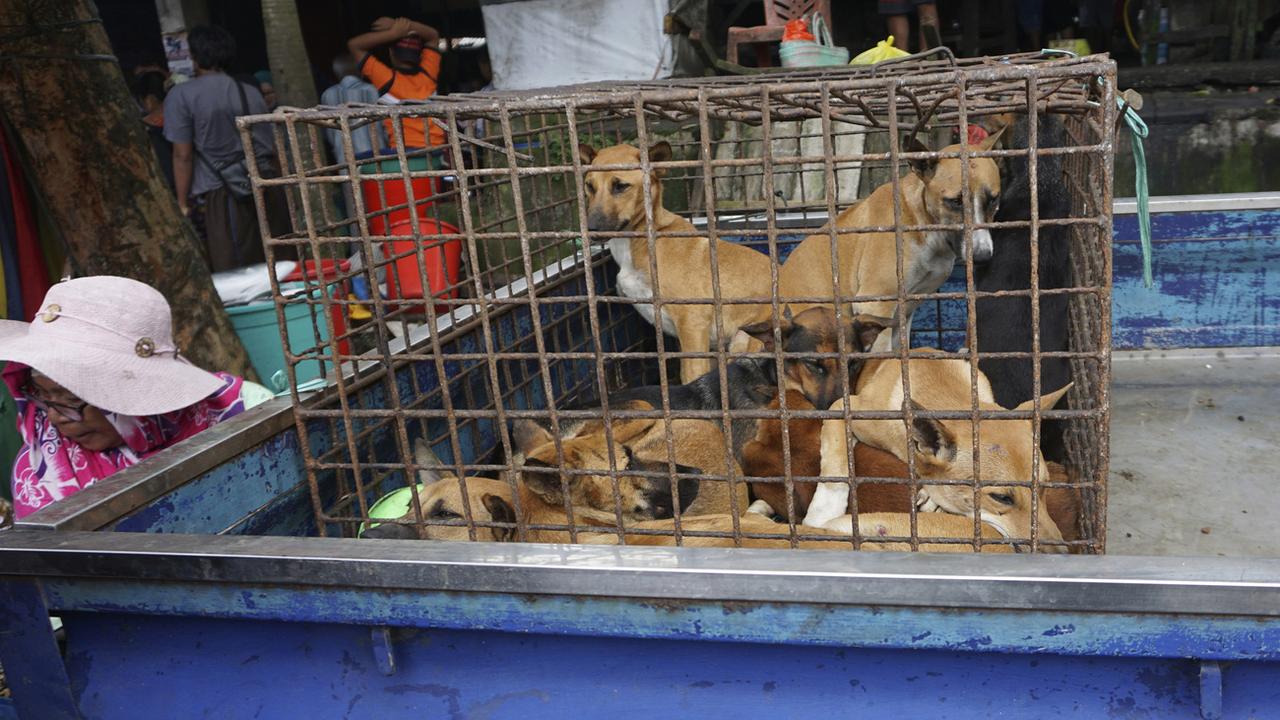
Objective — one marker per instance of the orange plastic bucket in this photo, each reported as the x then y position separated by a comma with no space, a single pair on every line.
394,189
443,260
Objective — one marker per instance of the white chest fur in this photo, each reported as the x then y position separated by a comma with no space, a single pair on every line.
932,265
634,283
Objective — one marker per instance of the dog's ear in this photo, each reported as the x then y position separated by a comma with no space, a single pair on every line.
528,435
924,167
660,152
543,480
930,440
1047,400
741,342
587,153
429,466
992,139
626,431
763,331
866,328
500,511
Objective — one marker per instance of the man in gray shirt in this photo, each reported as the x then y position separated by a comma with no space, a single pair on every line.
351,88
207,153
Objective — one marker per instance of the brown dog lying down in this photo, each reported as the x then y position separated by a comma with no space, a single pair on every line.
762,457
494,512
638,445
942,449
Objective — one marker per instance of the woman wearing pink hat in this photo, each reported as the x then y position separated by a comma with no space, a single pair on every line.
99,386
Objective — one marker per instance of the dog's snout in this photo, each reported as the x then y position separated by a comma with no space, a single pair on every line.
982,245
598,221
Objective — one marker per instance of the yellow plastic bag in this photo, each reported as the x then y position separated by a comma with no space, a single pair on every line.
884,50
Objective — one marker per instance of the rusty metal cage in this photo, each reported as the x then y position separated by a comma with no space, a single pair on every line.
502,382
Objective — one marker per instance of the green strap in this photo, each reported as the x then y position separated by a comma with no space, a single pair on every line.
1138,131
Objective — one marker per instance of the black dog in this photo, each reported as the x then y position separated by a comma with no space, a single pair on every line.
1004,324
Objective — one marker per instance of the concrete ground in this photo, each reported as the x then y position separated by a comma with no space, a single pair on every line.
1195,436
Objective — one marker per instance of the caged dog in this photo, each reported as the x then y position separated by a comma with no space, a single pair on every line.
587,488
929,194
1004,323
942,449
753,382
616,202
492,507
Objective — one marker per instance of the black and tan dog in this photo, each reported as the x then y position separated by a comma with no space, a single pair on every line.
928,195
753,382
616,202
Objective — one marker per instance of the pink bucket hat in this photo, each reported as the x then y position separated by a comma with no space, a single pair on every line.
109,340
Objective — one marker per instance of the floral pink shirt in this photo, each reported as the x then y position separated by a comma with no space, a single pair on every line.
50,467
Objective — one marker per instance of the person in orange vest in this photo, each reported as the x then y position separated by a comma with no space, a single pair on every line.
412,74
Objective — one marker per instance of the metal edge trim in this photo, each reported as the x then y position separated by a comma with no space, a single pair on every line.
1200,586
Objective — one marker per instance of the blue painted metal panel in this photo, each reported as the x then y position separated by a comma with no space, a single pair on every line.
29,653
129,667
1111,634
1216,283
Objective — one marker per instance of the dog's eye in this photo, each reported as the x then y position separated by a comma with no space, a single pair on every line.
591,188
816,367
1002,498
620,187
442,514
955,203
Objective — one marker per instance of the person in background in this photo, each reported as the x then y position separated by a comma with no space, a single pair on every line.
268,90
208,155
896,14
99,386
412,75
350,88
149,91
366,140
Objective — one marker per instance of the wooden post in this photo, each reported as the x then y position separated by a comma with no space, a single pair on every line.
62,90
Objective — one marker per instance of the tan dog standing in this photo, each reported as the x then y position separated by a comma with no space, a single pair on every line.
930,194
942,449
615,203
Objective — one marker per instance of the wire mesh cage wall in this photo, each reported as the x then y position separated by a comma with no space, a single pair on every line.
873,287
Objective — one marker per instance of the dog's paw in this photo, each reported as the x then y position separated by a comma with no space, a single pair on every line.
761,507
924,503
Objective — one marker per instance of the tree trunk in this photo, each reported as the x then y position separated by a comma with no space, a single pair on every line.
65,96
295,87
287,54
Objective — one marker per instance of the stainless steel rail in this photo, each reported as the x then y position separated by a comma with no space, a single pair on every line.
1200,586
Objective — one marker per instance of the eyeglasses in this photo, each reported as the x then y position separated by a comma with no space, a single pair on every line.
74,413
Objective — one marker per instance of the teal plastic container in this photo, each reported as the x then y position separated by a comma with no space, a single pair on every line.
255,323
